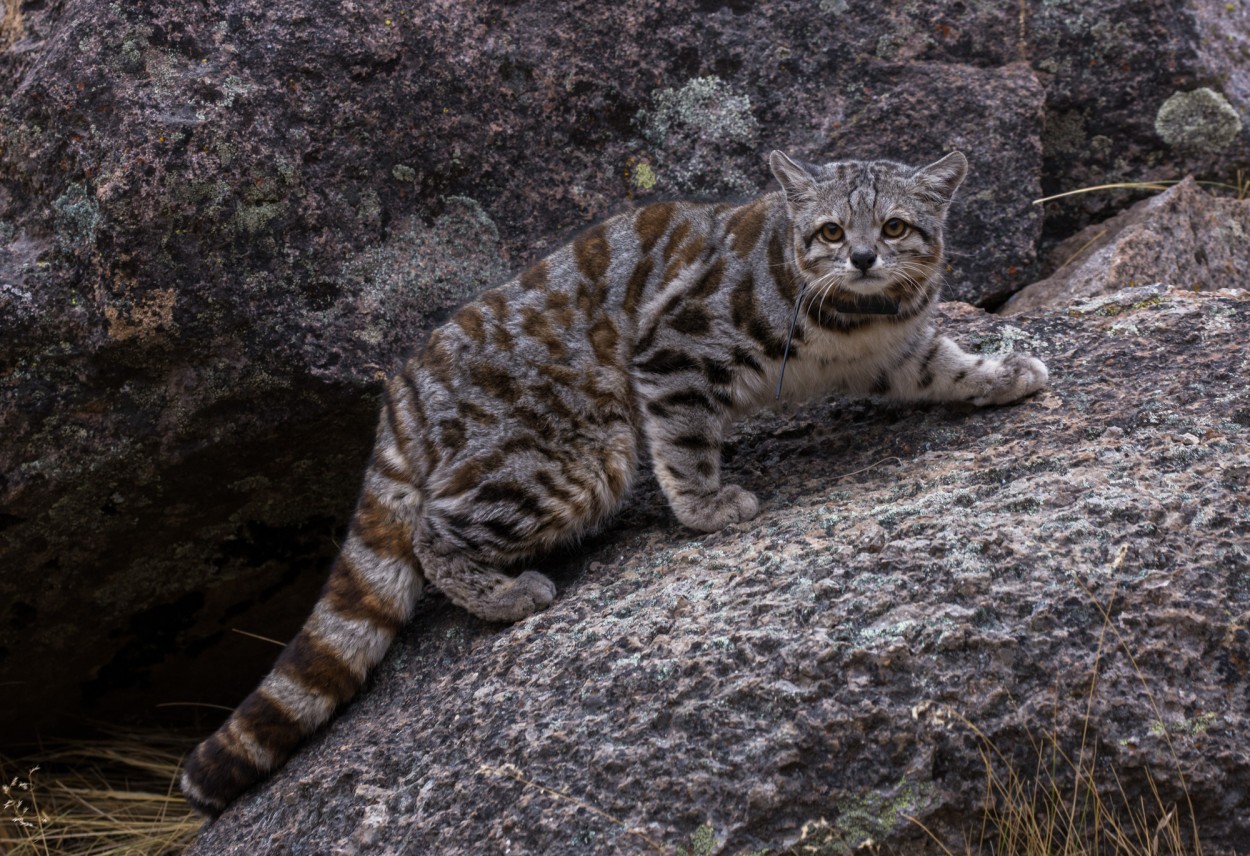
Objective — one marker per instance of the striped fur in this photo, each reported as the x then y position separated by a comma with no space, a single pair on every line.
522,422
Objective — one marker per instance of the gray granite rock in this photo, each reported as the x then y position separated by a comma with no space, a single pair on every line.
221,223
1183,237
910,566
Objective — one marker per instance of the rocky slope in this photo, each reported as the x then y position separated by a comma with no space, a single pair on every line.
221,223
1074,566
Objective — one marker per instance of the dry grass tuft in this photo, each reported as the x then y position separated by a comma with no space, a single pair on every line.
1240,188
1073,804
1070,805
115,796
11,28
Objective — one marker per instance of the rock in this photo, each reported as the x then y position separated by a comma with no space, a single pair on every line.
1183,238
1172,64
806,672
220,224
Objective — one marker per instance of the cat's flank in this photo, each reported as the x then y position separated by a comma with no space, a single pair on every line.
522,422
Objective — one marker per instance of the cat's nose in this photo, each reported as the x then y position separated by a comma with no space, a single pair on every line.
863,259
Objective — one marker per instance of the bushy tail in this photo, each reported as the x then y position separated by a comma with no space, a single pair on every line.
370,594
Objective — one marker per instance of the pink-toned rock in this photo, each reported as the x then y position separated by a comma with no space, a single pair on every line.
910,566
1183,238
221,222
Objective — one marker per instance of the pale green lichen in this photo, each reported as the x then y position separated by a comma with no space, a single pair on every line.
862,820
870,637
1064,133
705,104
288,172
78,215
1003,340
889,45
231,88
1194,727
369,210
703,843
430,267
692,128
1200,121
254,217
643,176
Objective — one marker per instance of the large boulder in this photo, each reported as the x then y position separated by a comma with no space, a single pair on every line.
221,223
1140,91
1069,571
1182,237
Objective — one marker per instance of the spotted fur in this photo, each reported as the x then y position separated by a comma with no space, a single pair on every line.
522,422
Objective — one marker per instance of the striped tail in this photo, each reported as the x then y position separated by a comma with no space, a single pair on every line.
371,592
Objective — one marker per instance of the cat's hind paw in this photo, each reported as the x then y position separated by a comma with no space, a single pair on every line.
520,598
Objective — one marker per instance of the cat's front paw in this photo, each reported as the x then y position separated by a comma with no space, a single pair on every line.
521,597
1015,376
731,504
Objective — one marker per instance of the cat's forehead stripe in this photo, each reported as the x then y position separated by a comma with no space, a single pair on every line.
862,179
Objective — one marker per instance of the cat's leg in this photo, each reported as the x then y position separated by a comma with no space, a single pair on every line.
685,432
933,368
495,512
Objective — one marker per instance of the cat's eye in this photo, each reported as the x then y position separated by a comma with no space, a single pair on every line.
894,228
831,232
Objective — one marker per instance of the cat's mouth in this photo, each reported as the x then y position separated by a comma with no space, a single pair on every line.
864,282
870,301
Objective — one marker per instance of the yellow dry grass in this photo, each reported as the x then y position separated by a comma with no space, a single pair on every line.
1240,188
113,796
11,25
1073,804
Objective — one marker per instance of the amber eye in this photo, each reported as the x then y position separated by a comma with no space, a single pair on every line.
831,232
894,228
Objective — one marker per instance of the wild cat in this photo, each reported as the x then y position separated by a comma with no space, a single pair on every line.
522,422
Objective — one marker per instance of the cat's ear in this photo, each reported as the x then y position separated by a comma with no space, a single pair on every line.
942,177
797,182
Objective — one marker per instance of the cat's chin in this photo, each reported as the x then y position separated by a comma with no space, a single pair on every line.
865,285
872,302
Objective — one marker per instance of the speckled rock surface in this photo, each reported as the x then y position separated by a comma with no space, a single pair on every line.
908,565
220,223
1182,237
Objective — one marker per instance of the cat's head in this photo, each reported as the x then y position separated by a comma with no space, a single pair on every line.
868,227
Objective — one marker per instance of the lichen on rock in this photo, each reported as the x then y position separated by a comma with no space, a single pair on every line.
690,129
1200,120
705,106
